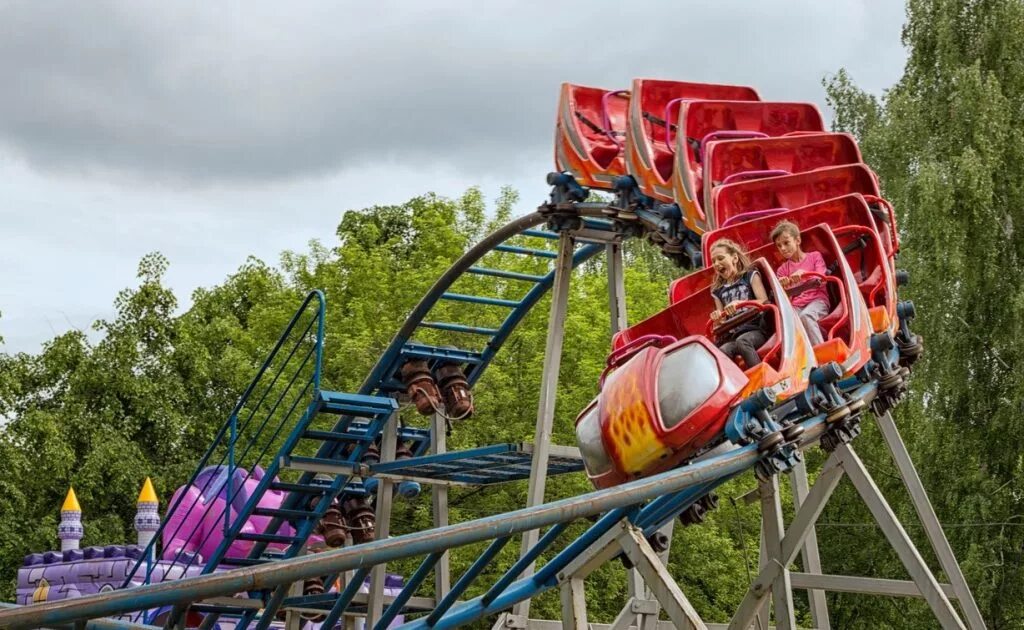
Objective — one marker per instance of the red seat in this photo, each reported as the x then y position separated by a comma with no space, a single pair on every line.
664,160
868,286
604,151
829,323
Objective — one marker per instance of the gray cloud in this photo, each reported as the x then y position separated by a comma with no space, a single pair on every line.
264,91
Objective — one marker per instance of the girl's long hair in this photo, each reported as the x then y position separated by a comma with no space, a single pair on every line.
743,261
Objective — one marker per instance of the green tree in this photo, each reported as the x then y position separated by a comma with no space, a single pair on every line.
946,141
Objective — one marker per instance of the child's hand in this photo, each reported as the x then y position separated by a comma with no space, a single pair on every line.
730,309
786,282
716,316
796,274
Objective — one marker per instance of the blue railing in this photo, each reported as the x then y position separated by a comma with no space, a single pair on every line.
280,399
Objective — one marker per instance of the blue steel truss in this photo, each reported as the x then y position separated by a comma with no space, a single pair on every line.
272,423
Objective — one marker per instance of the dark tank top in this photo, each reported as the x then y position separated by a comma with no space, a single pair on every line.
740,289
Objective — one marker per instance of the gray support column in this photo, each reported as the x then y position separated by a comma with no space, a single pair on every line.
657,577
754,602
782,589
385,497
548,393
809,557
617,310
762,617
932,527
574,605
899,539
292,618
616,286
439,495
649,620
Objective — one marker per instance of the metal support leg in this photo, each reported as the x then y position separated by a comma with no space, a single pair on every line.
548,391
650,621
641,609
657,577
637,593
625,619
899,539
753,604
809,557
616,287
574,605
761,617
439,492
385,497
292,618
932,527
782,588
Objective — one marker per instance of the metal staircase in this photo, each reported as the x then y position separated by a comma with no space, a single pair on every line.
310,442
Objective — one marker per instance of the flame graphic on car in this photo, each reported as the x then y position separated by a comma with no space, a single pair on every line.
629,427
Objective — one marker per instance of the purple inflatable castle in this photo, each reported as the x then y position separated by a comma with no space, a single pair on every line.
74,572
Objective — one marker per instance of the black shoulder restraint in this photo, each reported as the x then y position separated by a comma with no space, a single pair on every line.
654,120
853,246
595,127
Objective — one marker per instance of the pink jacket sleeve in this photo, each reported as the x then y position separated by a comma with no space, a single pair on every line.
818,263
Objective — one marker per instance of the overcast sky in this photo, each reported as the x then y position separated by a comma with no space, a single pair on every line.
211,131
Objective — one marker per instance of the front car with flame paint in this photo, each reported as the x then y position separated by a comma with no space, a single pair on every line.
658,409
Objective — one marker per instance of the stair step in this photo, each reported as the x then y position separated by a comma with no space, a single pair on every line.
432,353
317,465
526,251
356,404
378,402
404,433
268,538
479,299
288,515
337,436
501,273
473,330
310,489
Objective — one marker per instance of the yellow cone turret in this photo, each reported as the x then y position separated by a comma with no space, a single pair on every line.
70,530
148,494
147,518
71,502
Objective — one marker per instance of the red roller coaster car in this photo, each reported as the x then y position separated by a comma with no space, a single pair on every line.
731,161
704,123
848,326
668,390
589,134
651,136
740,201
